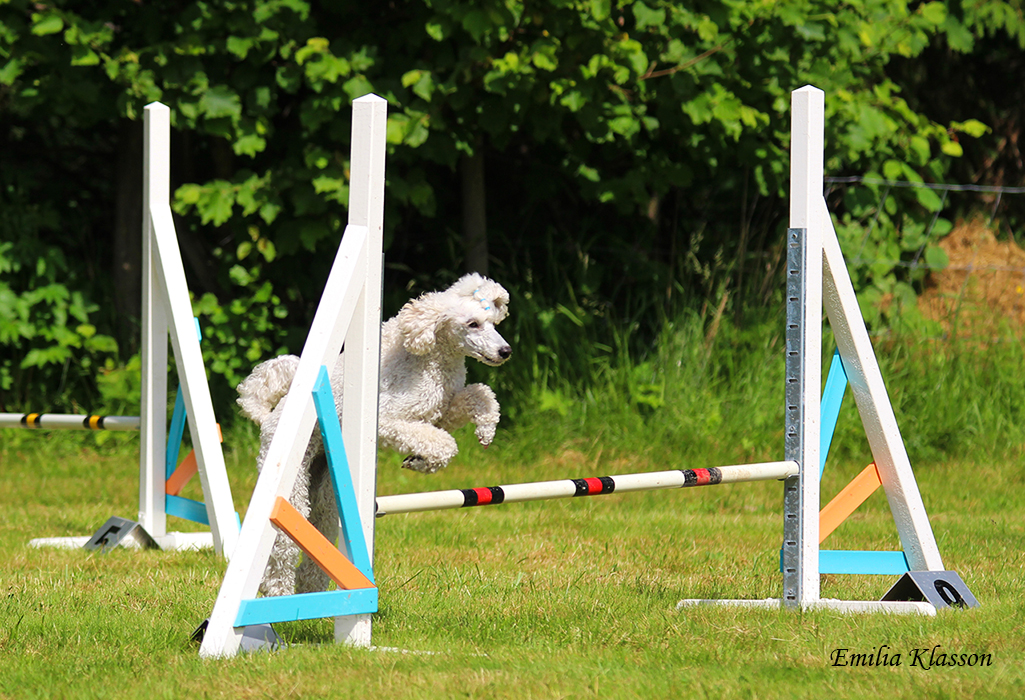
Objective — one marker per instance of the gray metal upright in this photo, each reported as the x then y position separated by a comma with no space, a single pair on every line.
804,349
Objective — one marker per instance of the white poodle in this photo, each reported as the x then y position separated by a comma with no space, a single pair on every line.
423,396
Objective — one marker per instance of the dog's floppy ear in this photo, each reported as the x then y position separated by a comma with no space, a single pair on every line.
418,320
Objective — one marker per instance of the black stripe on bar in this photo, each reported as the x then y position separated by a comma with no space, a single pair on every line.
690,478
581,487
714,475
608,484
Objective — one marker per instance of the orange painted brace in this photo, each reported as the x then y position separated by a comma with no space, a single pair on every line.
186,470
848,500
317,547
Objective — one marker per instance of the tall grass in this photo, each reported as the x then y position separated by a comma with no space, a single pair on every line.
707,387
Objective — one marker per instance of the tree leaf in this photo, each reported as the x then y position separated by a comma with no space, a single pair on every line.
952,148
220,101
216,201
44,24
936,257
10,72
972,127
249,145
84,56
928,199
573,100
239,46
438,28
934,12
477,23
646,16
601,9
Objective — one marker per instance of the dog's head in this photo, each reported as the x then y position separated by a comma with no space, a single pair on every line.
461,320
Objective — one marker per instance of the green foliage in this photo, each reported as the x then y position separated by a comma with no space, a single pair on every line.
121,386
885,233
237,335
50,348
715,392
650,136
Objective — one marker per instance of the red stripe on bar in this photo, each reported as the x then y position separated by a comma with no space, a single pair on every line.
593,486
704,477
483,496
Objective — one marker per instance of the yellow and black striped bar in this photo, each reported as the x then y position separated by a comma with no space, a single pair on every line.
63,421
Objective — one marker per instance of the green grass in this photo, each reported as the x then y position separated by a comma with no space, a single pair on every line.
560,599
563,599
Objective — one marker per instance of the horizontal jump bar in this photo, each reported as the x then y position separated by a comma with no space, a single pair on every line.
63,421
569,488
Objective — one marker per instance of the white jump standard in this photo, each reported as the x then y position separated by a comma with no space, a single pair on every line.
166,316
817,279
349,312
573,488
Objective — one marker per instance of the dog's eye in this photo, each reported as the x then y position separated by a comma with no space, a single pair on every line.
473,324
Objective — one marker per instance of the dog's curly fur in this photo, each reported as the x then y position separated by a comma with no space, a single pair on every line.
423,397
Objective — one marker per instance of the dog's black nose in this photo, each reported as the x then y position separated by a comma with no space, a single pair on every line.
504,352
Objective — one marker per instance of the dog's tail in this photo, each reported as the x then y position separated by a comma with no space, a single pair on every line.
260,392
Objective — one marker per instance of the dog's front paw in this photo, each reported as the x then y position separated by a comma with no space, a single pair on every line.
417,463
485,433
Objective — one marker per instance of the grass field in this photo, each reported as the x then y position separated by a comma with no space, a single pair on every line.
563,599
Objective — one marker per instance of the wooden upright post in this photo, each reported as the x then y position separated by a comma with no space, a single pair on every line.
156,191
167,312
363,344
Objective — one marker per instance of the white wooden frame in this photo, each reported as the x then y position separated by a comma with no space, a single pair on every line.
349,313
827,284
167,313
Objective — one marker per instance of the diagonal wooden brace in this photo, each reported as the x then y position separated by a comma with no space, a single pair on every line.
848,500
317,547
186,470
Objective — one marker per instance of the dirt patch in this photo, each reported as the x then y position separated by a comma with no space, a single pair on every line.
982,292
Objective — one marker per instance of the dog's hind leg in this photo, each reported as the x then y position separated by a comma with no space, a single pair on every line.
279,576
311,578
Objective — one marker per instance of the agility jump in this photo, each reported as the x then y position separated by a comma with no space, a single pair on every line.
166,316
349,312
